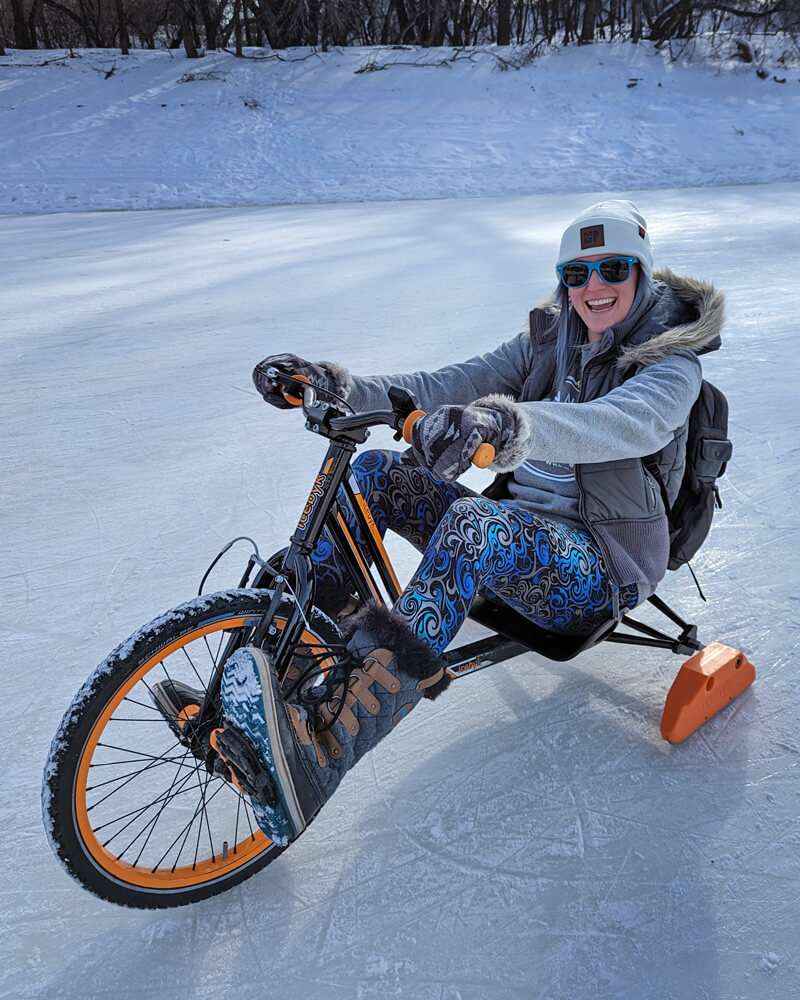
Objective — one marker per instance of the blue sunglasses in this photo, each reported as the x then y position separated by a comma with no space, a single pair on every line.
613,270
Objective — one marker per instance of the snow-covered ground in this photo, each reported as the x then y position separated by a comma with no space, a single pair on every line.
529,835
155,130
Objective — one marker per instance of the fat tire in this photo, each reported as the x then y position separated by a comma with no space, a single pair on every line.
61,769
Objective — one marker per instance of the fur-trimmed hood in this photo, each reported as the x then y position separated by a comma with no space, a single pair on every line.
684,314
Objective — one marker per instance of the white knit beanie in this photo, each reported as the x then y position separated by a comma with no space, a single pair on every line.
615,226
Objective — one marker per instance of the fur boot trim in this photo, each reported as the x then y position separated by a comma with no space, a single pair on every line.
340,378
436,689
388,630
516,431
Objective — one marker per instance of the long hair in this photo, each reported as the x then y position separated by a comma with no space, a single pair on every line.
570,328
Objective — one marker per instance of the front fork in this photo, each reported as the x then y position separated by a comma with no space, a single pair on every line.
296,567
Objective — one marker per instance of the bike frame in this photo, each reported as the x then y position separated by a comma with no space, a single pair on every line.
336,506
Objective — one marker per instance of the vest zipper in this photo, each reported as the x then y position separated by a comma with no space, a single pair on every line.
652,491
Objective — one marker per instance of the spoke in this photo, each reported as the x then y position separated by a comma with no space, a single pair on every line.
151,766
219,647
152,823
143,704
166,798
117,763
186,831
134,774
137,753
208,827
236,828
191,662
208,647
202,806
138,811
150,691
181,790
122,718
172,682
247,811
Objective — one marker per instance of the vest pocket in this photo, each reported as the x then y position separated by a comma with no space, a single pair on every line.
651,491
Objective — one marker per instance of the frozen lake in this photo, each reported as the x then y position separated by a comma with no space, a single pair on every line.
530,834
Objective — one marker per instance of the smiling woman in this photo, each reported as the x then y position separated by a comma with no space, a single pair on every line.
572,532
598,305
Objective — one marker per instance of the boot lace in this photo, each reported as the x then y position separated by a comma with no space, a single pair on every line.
318,684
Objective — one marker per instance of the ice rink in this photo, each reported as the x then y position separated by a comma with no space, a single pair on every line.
528,836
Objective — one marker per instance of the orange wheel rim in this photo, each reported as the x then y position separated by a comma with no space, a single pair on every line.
221,862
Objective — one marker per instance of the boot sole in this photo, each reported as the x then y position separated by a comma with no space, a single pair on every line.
283,773
280,766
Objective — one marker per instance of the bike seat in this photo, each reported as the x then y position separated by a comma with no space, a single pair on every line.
554,645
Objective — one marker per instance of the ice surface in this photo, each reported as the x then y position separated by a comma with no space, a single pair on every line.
163,131
530,834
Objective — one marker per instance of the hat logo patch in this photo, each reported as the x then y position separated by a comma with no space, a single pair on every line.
641,232
592,236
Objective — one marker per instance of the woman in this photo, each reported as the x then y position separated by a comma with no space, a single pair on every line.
571,533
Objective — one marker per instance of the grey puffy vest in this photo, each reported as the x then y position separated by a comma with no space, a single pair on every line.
620,501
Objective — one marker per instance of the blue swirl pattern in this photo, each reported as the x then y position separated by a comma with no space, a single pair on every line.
403,496
549,572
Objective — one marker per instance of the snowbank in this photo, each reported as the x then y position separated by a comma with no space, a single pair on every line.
155,130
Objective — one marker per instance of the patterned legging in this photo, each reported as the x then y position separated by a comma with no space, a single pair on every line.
551,573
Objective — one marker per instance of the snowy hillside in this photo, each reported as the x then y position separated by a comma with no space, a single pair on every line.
155,130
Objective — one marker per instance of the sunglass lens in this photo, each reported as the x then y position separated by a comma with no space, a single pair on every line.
614,270
575,275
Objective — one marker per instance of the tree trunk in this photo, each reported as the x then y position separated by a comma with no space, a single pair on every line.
46,40
186,31
211,15
237,30
22,38
266,22
590,11
636,21
403,20
122,20
503,22
33,13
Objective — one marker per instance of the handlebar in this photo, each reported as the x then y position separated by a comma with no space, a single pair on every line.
299,391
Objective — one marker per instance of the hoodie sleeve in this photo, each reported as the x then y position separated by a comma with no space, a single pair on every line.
502,370
636,419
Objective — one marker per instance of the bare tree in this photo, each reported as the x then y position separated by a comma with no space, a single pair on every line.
325,23
124,40
22,35
503,22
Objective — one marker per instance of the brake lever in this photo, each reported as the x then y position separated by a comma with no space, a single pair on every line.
285,383
404,403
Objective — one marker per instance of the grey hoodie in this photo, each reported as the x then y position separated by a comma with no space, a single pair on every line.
635,396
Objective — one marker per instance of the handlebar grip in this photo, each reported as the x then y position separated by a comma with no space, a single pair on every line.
484,453
295,400
409,422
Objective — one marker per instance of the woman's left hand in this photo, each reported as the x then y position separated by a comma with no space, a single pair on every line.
446,439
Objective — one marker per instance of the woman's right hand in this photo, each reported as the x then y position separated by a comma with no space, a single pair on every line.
325,375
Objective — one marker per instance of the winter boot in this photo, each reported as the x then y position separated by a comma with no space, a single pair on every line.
177,702
289,753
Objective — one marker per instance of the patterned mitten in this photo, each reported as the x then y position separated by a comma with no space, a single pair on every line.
325,375
446,439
